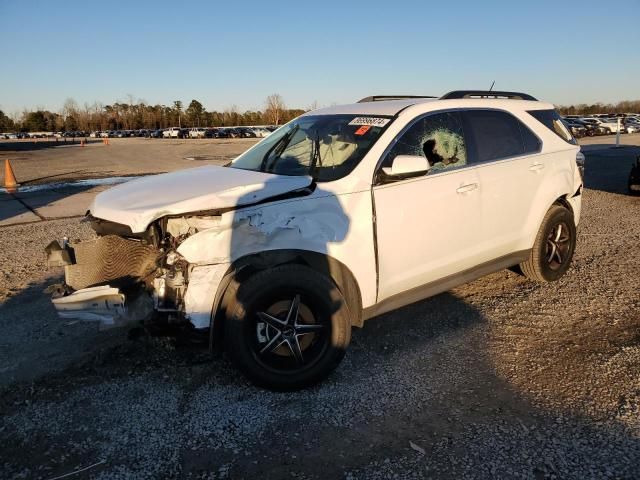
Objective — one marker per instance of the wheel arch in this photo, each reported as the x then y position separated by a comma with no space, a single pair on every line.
244,267
563,201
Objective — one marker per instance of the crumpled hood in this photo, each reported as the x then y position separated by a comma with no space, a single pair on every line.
139,202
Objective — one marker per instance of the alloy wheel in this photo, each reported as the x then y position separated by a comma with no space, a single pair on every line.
558,244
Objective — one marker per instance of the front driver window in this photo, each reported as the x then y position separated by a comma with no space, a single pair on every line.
438,138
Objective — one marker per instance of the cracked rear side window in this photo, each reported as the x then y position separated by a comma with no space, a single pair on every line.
552,120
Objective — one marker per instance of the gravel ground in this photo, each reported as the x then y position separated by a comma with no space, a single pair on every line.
502,377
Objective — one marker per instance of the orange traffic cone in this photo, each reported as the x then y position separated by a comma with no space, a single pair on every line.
9,177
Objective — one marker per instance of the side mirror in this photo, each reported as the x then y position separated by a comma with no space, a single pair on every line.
407,166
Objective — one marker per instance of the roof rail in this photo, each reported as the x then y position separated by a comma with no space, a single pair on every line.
487,94
380,98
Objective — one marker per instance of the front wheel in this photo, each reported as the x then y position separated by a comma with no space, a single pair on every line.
287,327
553,247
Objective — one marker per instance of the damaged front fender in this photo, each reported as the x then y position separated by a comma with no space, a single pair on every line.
307,225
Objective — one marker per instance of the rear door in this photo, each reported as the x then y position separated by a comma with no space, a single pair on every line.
511,173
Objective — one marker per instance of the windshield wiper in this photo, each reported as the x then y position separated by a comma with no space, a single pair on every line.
281,145
315,156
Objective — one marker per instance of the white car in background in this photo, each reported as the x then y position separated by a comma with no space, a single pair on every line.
612,124
608,124
173,132
197,132
261,132
340,215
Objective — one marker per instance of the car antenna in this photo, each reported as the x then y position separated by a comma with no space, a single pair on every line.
492,84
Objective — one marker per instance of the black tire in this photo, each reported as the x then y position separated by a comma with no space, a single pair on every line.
279,357
553,247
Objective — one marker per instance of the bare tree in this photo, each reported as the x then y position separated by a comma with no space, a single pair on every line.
230,116
274,106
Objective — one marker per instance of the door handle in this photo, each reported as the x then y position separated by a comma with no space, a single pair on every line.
536,166
467,188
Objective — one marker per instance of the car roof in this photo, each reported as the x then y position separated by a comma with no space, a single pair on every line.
393,107
385,107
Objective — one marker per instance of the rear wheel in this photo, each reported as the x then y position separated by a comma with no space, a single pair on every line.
287,327
553,248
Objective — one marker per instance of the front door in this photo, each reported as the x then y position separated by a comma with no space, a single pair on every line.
428,227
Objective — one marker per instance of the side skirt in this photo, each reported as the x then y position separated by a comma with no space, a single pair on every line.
444,284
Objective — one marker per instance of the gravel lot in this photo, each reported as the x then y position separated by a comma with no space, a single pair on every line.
45,160
499,378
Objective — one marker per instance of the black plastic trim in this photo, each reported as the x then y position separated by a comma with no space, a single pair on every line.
442,285
487,94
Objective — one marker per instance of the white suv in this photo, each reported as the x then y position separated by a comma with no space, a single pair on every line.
173,132
340,215
197,132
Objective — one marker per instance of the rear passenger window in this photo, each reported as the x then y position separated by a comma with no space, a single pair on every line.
532,144
496,134
552,120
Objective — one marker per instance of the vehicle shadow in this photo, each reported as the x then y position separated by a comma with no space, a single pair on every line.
607,169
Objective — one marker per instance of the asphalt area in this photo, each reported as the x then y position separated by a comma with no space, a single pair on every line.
499,378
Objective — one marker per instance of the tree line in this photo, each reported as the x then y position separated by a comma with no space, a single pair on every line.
134,115
626,106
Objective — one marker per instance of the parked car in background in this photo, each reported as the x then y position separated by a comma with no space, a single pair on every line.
576,129
632,127
261,132
591,129
197,132
219,133
611,123
606,124
154,133
244,132
174,132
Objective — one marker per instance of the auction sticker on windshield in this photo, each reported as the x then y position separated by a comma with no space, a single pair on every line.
370,121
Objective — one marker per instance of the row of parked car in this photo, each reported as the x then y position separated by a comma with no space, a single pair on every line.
601,125
195,132
173,132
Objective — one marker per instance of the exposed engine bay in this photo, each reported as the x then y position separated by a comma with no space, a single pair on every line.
123,277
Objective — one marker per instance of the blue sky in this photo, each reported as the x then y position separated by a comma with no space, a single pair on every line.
238,52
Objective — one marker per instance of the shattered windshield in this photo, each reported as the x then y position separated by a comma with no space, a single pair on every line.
326,147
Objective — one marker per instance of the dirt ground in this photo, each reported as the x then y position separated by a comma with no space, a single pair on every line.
500,378
45,160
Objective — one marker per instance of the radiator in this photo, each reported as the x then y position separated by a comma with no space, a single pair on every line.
110,259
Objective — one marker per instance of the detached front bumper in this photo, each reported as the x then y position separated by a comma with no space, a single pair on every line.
106,279
103,304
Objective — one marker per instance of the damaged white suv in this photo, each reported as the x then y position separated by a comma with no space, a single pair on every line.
340,215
